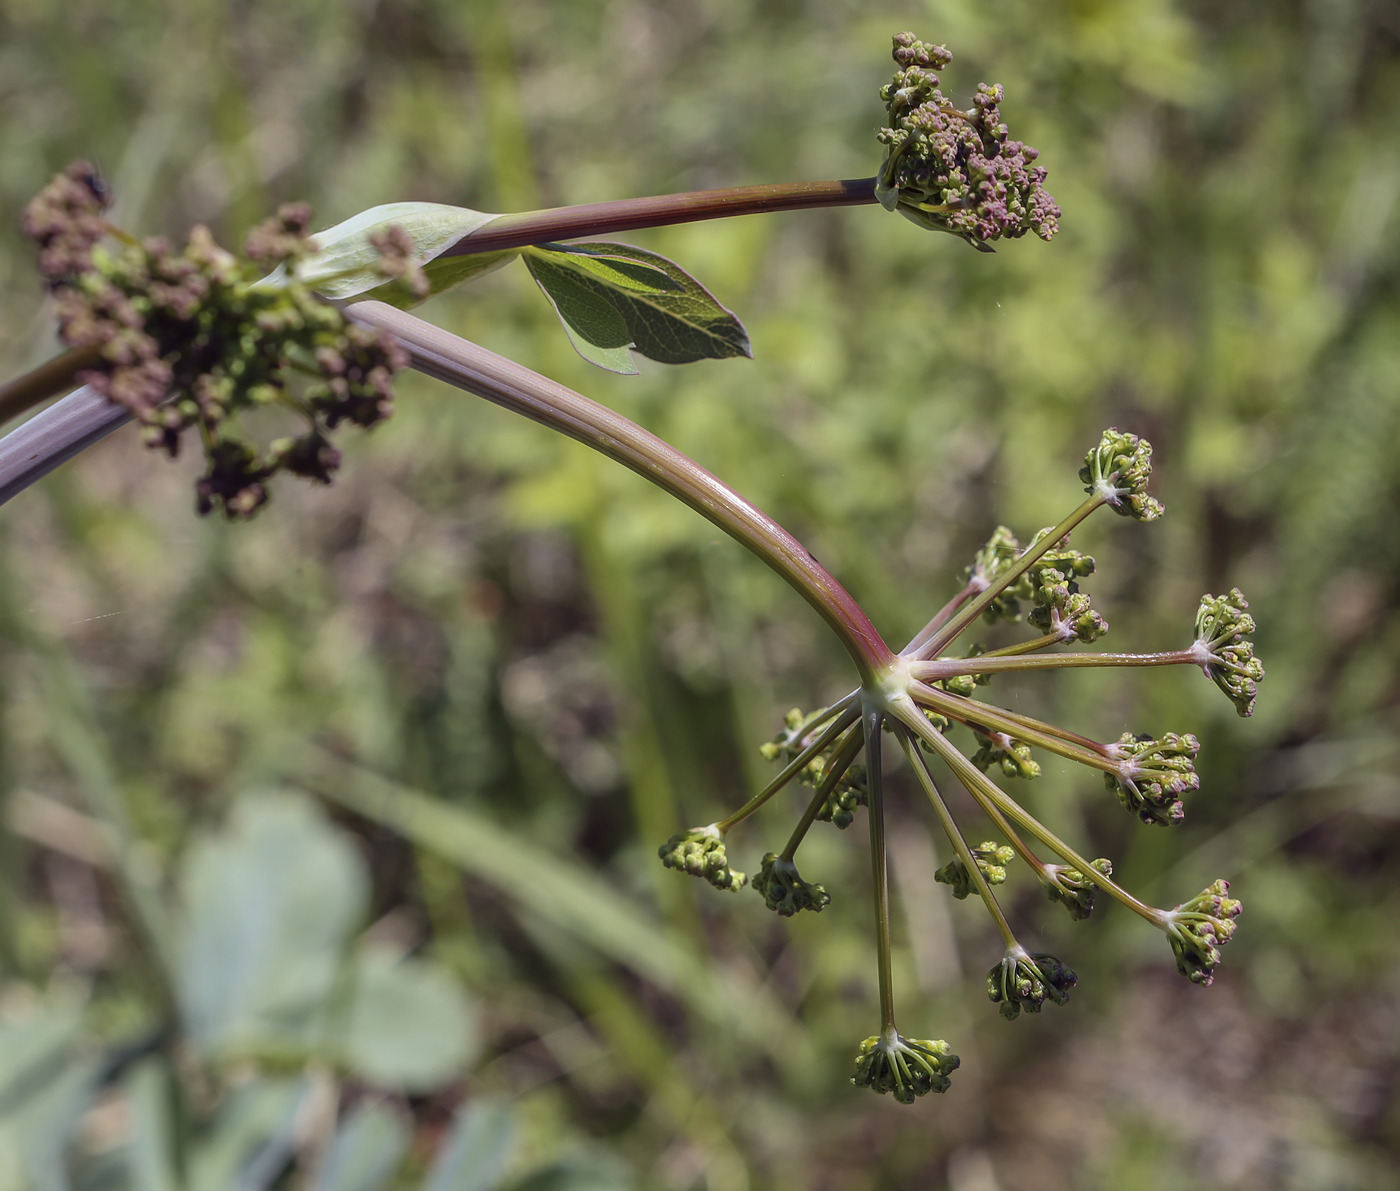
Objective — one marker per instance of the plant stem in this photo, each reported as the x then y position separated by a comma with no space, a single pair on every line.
955,837
469,366
977,715
789,771
48,380
841,761
879,866
940,618
601,219
986,792
951,631
516,230
986,664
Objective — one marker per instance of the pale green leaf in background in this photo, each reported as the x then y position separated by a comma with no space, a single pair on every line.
44,1088
475,1155
366,1150
151,1155
410,1027
270,903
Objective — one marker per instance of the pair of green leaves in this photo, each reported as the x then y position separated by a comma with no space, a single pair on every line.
613,299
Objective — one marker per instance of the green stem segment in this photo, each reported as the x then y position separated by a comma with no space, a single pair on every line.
789,771
841,762
986,792
951,631
471,367
984,716
955,837
879,866
993,664
622,215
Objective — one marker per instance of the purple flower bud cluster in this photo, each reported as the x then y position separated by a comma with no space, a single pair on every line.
956,171
190,339
1199,928
1151,775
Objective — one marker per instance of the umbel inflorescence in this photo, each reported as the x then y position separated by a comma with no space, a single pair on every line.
921,695
952,170
193,339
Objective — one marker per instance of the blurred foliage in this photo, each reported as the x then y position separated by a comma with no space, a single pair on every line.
508,670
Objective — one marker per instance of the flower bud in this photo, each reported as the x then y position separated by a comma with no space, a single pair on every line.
1117,470
1199,928
1223,653
991,857
1151,773
1072,888
700,852
1012,755
1022,981
784,891
904,1067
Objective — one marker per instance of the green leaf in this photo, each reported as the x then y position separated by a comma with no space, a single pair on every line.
270,903
151,1156
475,1154
254,1129
348,264
366,1150
411,1028
564,893
45,1086
614,297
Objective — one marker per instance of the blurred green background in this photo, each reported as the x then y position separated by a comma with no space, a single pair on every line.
328,848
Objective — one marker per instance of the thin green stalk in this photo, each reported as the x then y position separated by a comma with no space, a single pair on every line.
1011,651
939,619
989,664
845,754
986,791
955,837
950,632
789,771
879,867
621,215
504,382
974,714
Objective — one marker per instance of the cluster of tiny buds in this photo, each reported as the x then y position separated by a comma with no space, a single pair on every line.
1025,981
956,171
190,339
905,1068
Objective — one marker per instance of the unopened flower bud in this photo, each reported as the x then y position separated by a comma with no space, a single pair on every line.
783,889
1199,928
905,1068
1151,775
991,858
1024,981
1072,888
700,852
1014,756
988,565
1222,651
846,797
1062,609
1117,470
